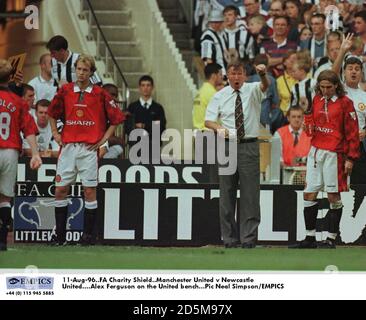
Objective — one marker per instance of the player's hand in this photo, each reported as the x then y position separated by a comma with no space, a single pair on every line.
348,166
94,147
58,139
35,162
362,134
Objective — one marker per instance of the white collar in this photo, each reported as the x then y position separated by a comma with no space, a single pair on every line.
292,130
88,89
44,80
148,102
240,90
334,98
280,44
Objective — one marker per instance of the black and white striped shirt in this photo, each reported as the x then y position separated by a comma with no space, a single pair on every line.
66,71
212,46
241,40
303,89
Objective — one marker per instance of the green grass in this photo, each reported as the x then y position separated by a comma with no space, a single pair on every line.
207,258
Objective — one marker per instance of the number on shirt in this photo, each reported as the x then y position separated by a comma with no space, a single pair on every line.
5,125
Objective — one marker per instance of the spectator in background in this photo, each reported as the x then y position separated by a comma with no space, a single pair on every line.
236,37
146,111
63,62
275,10
305,34
259,31
44,85
212,46
333,48
286,81
214,79
201,13
278,46
293,11
252,8
29,96
115,145
352,72
295,144
360,28
304,88
213,76
317,43
47,146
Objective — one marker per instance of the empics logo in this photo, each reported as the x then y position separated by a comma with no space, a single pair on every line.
30,283
13,281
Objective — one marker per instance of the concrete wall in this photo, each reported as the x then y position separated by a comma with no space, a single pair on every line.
174,86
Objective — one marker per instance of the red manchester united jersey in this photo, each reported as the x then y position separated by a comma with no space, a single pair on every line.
84,114
334,126
14,118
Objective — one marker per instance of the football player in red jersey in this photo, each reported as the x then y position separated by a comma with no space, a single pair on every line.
333,127
85,110
14,118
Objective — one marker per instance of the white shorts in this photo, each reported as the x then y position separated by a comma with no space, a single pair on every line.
76,159
325,172
8,171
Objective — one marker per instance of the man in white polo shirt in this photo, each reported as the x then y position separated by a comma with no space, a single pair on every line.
44,85
47,146
237,108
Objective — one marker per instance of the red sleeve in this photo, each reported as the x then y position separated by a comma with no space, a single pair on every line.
351,131
57,106
27,125
114,113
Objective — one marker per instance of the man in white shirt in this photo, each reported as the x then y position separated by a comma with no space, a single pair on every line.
44,85
352,74
47,146
237,108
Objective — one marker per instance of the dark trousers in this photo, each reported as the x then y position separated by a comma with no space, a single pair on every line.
245,227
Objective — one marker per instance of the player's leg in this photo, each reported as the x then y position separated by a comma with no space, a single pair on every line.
8,173
90,213
61,211
5,220
314,184
87,165
65,176
334,218
335,181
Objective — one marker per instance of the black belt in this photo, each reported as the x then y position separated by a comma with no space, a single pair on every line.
249,140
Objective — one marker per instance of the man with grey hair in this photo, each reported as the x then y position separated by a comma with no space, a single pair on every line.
236,108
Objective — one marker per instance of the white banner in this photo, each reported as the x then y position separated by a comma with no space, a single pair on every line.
34,284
